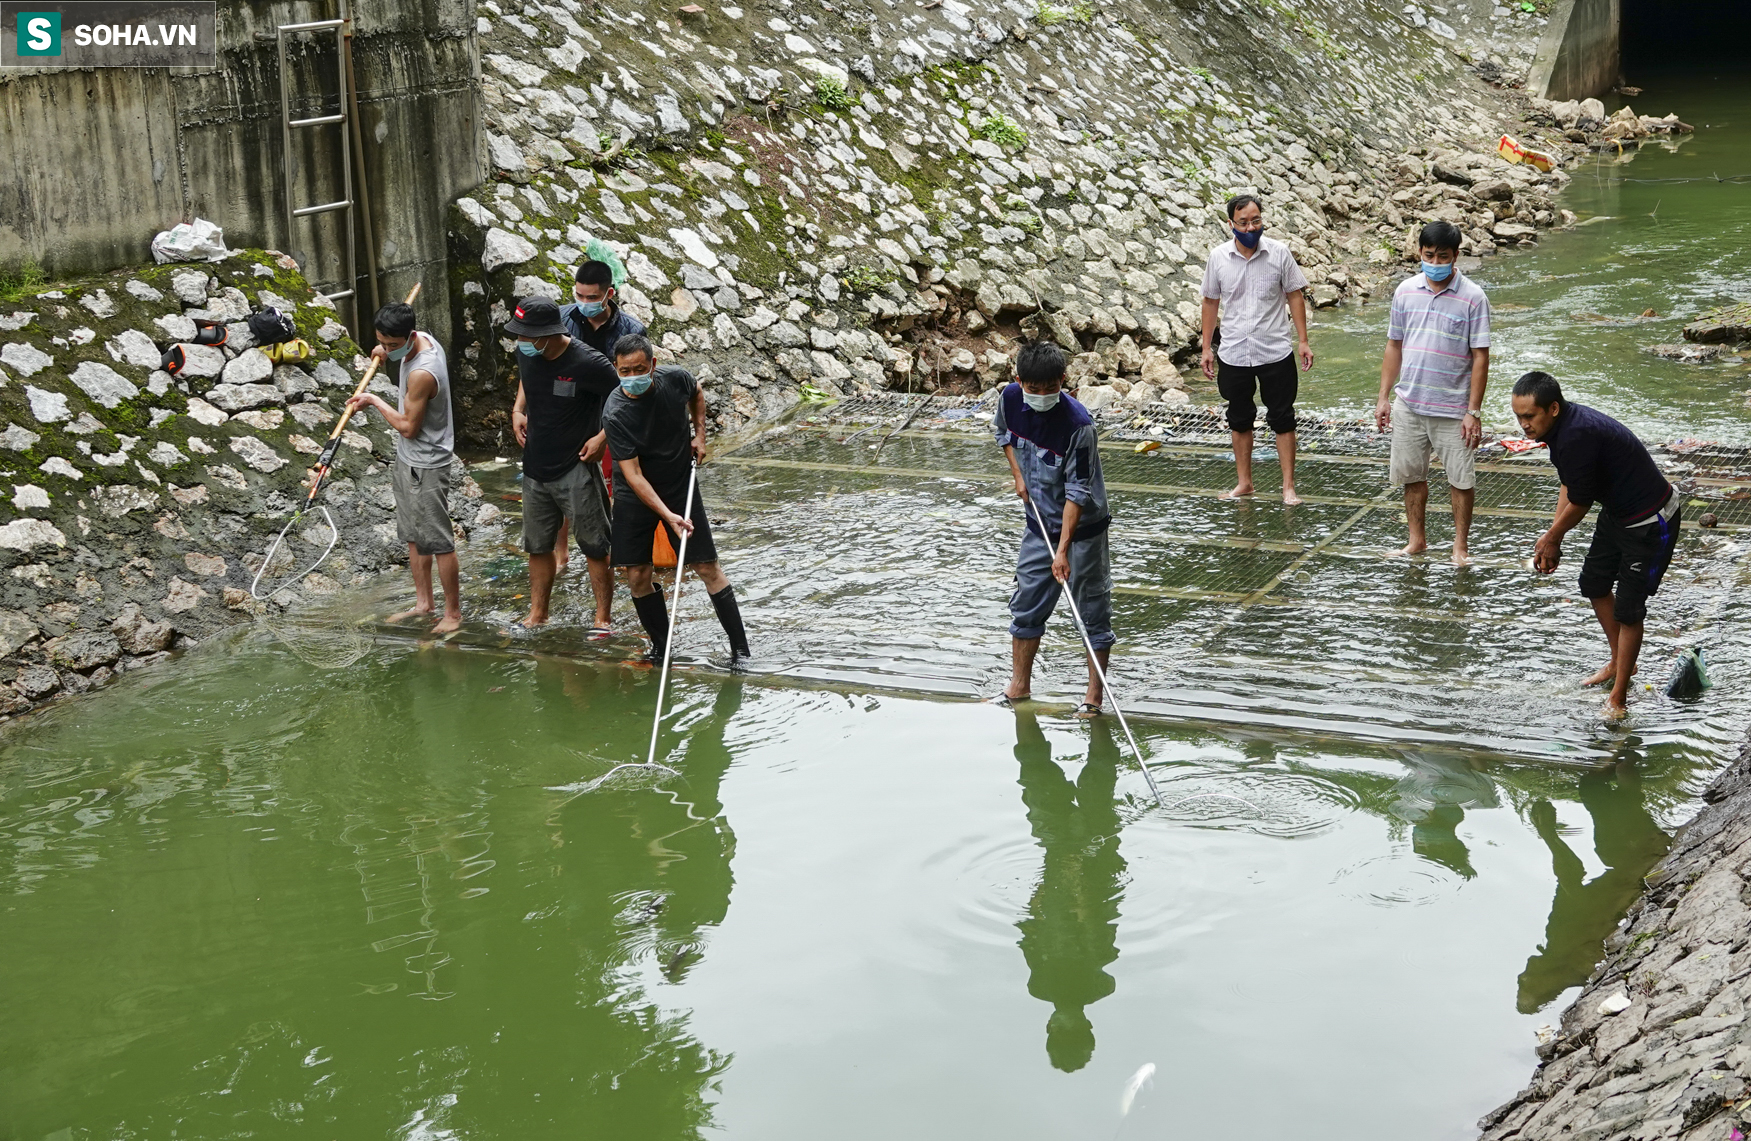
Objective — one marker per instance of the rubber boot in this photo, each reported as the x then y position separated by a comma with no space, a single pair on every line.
728,613
653,612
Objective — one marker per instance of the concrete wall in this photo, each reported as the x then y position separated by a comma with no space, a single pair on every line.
1581,53
99,161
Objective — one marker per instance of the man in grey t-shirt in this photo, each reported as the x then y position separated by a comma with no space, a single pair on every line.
424,456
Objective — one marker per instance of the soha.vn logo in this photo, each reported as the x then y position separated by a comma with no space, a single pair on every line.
39,33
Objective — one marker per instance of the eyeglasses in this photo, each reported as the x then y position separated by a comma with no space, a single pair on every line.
1248,227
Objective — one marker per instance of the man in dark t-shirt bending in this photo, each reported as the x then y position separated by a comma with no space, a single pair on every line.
558,420
655,422
1598,459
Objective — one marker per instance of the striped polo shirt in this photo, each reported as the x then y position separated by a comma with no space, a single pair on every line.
1439,330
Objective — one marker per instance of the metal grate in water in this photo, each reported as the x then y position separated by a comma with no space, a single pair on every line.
1232,606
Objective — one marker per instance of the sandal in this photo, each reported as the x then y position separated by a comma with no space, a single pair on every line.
599,632
1004,701
1087,709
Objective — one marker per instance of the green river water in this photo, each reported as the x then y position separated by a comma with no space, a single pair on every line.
248,897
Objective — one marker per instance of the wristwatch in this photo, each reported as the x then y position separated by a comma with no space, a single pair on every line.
1476,413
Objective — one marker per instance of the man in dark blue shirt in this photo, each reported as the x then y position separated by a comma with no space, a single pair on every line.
595,316
595,319
1598,459
1051,443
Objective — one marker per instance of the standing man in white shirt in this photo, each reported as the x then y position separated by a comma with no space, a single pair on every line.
1255,283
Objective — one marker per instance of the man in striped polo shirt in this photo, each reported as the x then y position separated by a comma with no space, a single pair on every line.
1437,363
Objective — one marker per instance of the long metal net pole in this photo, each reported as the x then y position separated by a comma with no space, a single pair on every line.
1094,662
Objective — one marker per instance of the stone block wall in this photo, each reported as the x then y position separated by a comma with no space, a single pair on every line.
136,507
882,195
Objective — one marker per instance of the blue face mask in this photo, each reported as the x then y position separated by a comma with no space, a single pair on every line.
1437,272
528,349
401,353
1249,238
637,385
592,308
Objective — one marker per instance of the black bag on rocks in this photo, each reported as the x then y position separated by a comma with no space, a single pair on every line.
269,326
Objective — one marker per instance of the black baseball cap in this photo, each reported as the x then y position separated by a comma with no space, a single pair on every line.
535,317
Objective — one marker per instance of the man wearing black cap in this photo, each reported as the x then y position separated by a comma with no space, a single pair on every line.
656,430
558,420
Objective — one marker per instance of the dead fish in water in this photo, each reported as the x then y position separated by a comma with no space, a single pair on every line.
1144,1075
1689,676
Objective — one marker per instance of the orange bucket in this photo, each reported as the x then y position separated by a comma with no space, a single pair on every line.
662,554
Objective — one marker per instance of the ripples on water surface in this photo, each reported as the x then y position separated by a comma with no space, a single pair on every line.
247,897
243,899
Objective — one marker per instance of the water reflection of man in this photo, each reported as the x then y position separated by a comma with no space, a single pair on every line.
1071,929
705,841
1629,843
1433,796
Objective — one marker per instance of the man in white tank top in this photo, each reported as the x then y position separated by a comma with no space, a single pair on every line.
424,456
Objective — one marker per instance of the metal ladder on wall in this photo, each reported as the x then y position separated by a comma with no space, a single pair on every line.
345,205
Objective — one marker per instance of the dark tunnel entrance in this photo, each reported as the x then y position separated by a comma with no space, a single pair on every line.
1660,35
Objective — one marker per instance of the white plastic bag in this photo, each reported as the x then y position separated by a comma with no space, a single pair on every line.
199,240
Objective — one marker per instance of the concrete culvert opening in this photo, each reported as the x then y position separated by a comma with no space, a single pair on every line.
1661,34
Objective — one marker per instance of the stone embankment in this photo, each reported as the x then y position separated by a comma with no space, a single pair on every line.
136,507
857,197
1657,1045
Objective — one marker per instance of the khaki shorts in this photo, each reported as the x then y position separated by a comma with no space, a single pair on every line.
1415,438
579,498
422,507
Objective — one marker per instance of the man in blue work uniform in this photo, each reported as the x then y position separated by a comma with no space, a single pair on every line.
595,319
595,316
1049,439
1640,512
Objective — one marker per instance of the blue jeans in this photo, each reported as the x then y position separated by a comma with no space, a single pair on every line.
1036,591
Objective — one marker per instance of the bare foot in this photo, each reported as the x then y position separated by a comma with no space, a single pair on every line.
1607,672
449,624
416,612
1612,711
1009,692
1290,499
1461,557
1244,491
532,620
1408,550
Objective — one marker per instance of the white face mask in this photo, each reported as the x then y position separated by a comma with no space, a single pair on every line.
1041,403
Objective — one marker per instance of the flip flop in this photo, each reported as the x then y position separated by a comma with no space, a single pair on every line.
1004,701
1087,709
599,632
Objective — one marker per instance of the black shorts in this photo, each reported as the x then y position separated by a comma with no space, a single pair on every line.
1278,384
635,525
1628,563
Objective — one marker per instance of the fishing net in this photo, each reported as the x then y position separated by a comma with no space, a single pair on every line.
318,636
287,563
622,778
